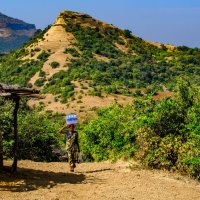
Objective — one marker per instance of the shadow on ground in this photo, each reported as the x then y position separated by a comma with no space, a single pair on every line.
28,179
98,170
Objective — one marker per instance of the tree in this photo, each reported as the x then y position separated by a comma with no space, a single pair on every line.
5,123
127,33
1,152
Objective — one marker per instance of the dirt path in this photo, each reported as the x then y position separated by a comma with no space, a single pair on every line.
95,181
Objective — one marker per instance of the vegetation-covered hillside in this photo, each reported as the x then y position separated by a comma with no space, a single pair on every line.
113,60
161,134
79,49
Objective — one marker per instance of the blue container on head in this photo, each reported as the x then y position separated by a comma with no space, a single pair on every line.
71,119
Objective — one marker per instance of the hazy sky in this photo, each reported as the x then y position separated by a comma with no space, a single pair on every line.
170,22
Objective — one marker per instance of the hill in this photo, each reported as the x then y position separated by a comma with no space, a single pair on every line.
14,33
80,63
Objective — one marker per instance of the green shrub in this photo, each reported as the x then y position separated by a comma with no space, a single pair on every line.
40,82
168,135
37,131
43,56
38,137
72,51
137,92
37,49
127,33
42,74
55,64
80,97
110,136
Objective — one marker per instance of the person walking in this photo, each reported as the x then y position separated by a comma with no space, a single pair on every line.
72,144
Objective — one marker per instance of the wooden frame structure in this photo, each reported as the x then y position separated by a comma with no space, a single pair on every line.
14,93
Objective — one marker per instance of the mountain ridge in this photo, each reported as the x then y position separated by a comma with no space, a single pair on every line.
14,33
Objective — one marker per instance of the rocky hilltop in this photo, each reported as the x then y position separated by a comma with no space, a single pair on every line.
14,33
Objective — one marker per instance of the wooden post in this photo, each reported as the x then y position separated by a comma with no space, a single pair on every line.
15,148
14,92
1,152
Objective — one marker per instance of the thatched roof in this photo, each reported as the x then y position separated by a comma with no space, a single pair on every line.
15,90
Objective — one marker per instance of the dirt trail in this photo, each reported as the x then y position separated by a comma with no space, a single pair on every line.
96,181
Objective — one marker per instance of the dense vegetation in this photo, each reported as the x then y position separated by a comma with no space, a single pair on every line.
141,65
38,132
161,134
15,71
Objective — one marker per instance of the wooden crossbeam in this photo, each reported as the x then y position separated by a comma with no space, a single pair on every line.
14,89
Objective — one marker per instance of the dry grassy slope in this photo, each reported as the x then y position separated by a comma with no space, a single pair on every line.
84,106
168,46
56,40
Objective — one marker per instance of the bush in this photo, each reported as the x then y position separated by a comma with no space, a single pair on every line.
168,135
110,135
38,137
127,33
72,51
38,132
42,74
55,64
40,82
43,56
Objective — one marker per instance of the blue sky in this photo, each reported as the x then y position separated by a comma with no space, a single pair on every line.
174,22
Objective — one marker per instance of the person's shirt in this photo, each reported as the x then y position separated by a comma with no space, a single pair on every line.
72,139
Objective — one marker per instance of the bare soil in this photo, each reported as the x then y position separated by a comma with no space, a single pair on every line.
82,103
98,181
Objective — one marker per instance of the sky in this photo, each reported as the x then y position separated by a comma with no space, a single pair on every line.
175,22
